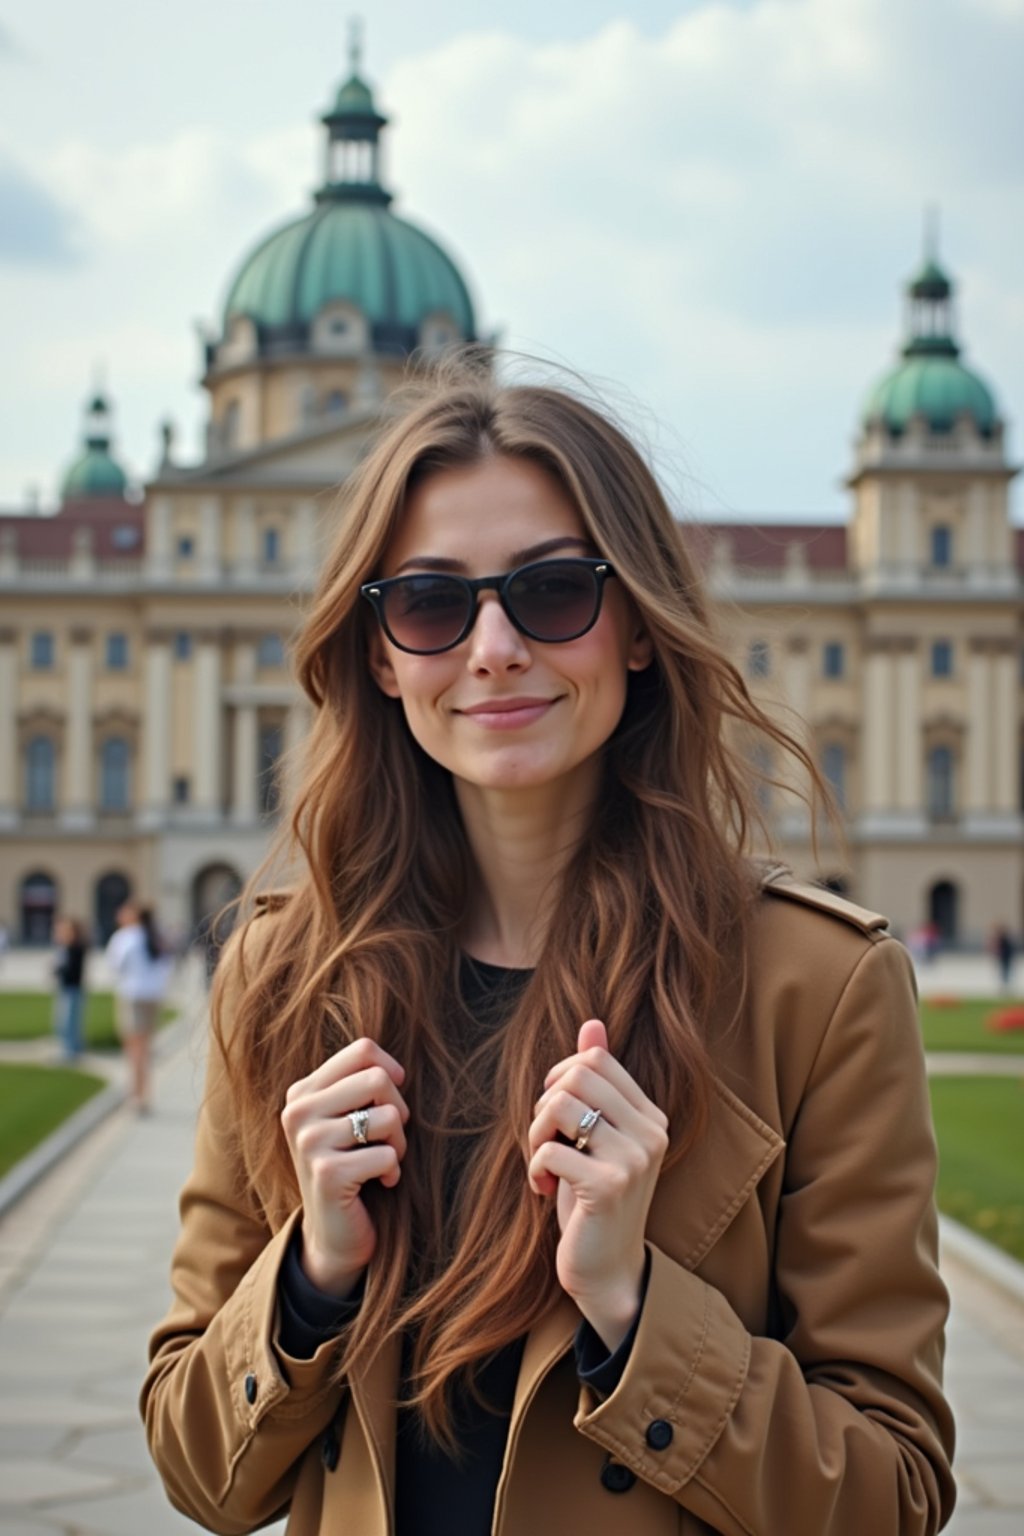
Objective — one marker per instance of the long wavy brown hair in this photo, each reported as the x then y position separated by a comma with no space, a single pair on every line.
647,932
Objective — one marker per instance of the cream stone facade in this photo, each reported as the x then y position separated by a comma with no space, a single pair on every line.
147,710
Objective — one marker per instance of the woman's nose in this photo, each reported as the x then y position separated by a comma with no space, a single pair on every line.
495,643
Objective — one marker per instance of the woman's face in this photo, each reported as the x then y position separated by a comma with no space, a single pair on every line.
566,699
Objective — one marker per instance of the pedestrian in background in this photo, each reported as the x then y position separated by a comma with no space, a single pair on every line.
69,975
1002,950
141,969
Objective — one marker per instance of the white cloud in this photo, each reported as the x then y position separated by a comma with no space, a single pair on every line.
720,215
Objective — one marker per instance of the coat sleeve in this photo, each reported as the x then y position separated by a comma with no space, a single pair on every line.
228,1416
839,1426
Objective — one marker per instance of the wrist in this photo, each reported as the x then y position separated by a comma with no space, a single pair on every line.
325,1275
613,1311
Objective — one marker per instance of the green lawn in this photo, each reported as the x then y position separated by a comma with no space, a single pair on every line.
29,1016
33,1102
962,1026
980,1126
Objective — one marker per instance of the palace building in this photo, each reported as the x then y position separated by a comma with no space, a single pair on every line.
145,699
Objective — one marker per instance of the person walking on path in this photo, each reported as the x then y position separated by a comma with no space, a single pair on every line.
69,976
1001,947
141,970
561,1167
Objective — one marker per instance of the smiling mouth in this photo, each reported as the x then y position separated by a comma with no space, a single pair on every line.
507,713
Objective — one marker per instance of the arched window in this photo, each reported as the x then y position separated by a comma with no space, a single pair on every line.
270,651
115,762
833,766
941,782
40,774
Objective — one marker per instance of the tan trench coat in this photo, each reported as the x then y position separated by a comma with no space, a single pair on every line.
790,1340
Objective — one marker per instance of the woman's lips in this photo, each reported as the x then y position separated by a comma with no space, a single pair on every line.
507,714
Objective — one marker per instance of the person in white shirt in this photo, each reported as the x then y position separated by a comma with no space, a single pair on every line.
141,970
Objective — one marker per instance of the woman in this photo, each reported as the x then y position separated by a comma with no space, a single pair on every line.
69,975
141,971
560,1168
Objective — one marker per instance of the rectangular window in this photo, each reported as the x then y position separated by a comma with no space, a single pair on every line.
186,547
271,546
41,651
117,653
834,662
942,658
182,645
759,660
942,545
181,789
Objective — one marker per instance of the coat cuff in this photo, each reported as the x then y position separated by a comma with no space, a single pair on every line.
681,1382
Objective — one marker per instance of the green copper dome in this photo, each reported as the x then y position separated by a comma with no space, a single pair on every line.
930,382
95,472
355,250
350,248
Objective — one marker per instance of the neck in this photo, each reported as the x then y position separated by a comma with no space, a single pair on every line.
521,842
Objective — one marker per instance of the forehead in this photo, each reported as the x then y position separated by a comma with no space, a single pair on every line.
483,513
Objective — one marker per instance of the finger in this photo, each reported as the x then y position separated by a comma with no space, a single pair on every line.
383,1124
593,1091
592,1033
555,1160
340,1176
355,1057
357,1091
594,1074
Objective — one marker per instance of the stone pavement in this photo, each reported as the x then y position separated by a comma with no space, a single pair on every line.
83,1277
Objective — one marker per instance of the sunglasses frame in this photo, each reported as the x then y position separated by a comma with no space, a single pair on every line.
376,592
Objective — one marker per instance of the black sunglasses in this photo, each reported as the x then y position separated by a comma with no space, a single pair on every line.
549,600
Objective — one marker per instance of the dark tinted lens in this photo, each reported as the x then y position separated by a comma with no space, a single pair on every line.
554,600
426,613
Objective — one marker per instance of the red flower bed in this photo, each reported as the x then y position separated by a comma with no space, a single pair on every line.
1005,1020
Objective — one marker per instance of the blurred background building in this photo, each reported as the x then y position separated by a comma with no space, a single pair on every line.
145,698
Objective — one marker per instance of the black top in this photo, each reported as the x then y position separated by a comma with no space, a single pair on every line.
70,965
434,1494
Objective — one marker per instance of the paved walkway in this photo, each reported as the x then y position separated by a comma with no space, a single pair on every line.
83,1277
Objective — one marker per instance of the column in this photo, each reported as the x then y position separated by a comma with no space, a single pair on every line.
156,733
909,745
975,553
977,797
159,561
908,553
8,727
207,752
1005,728
77,801
878,700
245,752
208,550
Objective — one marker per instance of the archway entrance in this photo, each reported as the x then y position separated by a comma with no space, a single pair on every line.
38,905
112,891
943,909
212,889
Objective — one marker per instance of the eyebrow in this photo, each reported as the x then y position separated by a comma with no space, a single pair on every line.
516,558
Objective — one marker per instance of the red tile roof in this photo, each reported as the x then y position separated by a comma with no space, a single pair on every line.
51,536
764,546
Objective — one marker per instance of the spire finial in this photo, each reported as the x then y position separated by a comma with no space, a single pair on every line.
355,43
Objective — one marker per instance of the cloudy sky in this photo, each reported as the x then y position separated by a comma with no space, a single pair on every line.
707,206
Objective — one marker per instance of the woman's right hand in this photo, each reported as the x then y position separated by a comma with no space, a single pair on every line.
338,1237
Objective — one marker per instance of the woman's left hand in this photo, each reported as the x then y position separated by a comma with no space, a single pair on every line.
604,1192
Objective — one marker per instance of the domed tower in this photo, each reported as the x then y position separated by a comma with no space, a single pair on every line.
930,474
95,474
323,314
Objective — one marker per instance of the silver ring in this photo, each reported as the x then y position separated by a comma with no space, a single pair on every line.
359,1120
585,1129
